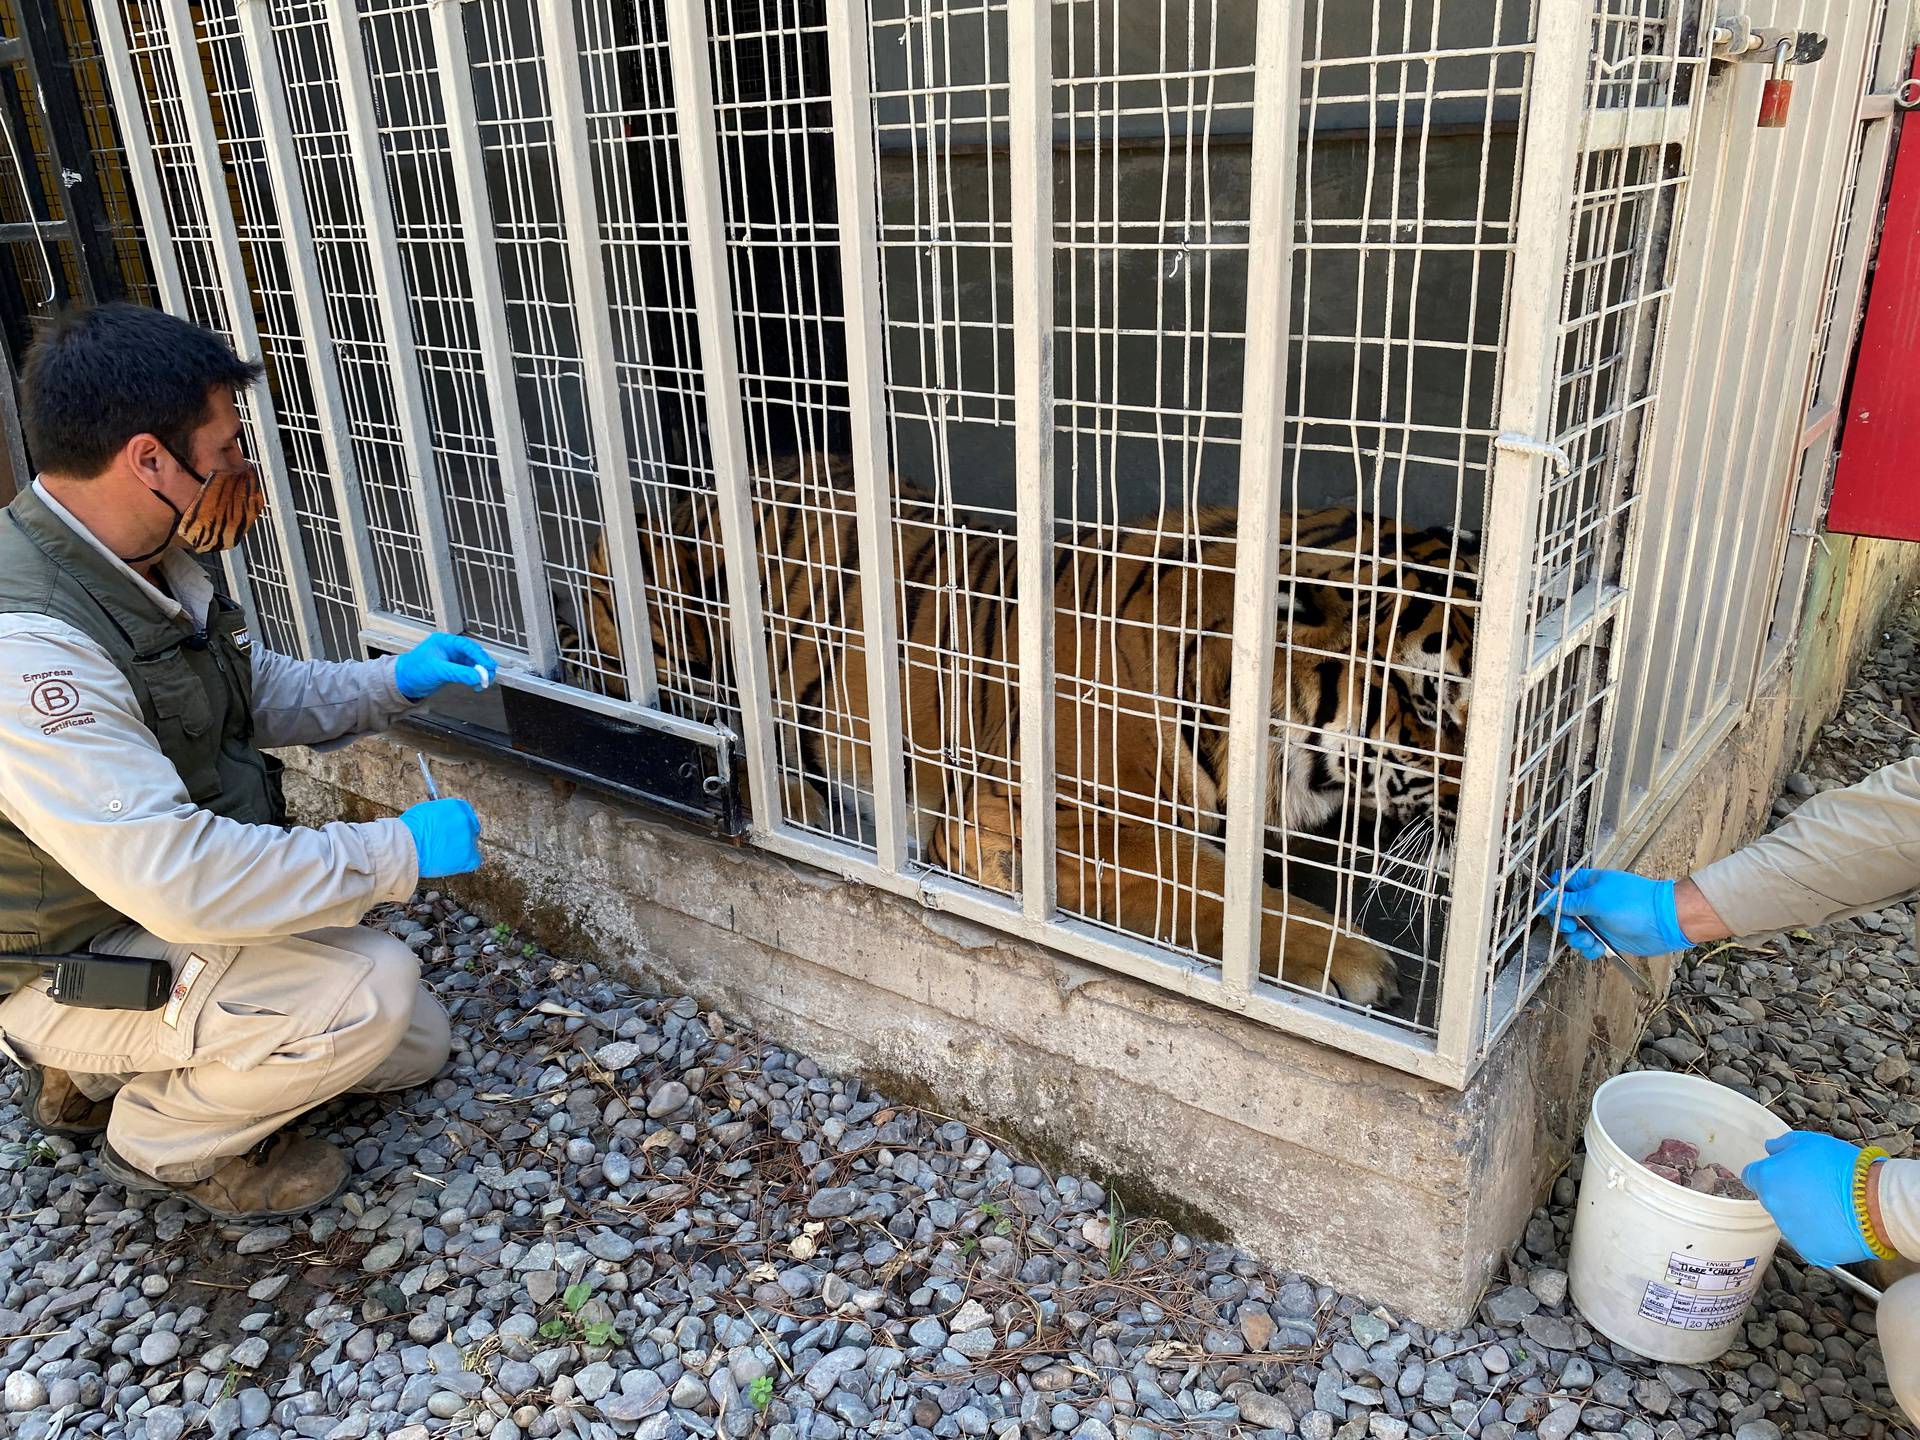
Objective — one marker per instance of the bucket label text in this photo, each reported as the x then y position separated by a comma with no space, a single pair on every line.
1703,1295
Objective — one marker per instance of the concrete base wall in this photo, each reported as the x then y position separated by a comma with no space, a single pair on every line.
1318,1161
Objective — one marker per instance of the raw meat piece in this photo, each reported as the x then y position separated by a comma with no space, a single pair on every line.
1677,1154
1679,1162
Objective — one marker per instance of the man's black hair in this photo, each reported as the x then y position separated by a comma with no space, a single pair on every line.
103,375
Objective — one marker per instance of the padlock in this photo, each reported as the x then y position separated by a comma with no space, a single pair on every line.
1777,94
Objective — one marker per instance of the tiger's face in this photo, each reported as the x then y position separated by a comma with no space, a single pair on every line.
1371,683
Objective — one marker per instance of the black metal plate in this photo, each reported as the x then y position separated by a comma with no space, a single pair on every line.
649,767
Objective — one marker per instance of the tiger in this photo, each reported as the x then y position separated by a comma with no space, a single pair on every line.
1369,694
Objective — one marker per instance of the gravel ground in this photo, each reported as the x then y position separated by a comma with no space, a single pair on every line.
616,1215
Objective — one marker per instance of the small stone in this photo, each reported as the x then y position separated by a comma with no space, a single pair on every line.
159,1347
446,1405
1511,1305
1757,1430
24,1392
595,1381
165,1422
974,1344
830,1369
269,1288
250,1353
669,1099
928,1331
1265,1411
1560,1422
616,1168
382,1257
1368,1330
617,1055
970,1316
833,1204
1549,1285
263,1239
1548,1331
1256,1330
605,1245
515,1378
642,1393
1382,1426
1316,1425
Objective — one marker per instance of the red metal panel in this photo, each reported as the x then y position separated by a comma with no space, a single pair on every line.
1876,486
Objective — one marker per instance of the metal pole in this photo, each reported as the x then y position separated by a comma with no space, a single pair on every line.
1275,158
303,272
474,218
861,287
390,290
700,183
224,240
1543,221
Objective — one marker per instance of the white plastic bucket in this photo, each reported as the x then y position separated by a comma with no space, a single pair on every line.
1663,1270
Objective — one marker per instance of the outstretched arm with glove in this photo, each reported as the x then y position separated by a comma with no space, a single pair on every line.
1843,853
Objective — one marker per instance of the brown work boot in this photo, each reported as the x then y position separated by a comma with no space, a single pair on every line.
54,1103
283,1175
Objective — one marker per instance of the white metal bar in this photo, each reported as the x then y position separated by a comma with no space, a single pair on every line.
1632,127
700,184
1256,563
130,104
1543,221
1306,1016
1030,192
130,107
1744,678
580,215
224,239
1816,190
475,220
303,273
861,285
390,291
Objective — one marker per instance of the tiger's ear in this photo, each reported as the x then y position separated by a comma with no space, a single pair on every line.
1305,604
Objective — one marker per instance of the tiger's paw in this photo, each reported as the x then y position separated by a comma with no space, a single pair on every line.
1363,973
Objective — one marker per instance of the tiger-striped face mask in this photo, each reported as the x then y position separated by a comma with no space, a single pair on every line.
229,503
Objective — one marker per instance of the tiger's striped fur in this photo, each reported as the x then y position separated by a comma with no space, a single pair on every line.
1369,694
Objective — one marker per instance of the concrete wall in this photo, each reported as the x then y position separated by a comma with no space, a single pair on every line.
1388,1186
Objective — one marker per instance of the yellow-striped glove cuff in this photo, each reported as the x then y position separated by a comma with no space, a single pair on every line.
1862,1168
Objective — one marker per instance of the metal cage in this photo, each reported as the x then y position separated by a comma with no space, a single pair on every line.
1205,485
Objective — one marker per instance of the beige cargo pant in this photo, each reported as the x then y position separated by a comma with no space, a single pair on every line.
253,1036
1898,1324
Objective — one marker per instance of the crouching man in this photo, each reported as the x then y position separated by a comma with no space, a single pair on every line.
136,809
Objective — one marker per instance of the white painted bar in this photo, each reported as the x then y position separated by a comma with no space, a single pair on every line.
1030,192
475,221
1256,562
1557,94
867,403
309,302
580,213
726,424
390,292
243,332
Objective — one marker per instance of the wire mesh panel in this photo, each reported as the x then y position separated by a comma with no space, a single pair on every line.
628,97
773,117
940,120
1351,378
361,348
1605,349
1718,470
149,46
403,69
108,153
284,348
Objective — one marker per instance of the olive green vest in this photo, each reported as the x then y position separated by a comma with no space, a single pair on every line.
195,694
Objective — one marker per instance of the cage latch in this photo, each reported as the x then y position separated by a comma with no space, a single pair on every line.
1519,444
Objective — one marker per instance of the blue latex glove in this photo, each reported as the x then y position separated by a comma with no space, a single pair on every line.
443,660
446,836
1635,914
1806,1183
